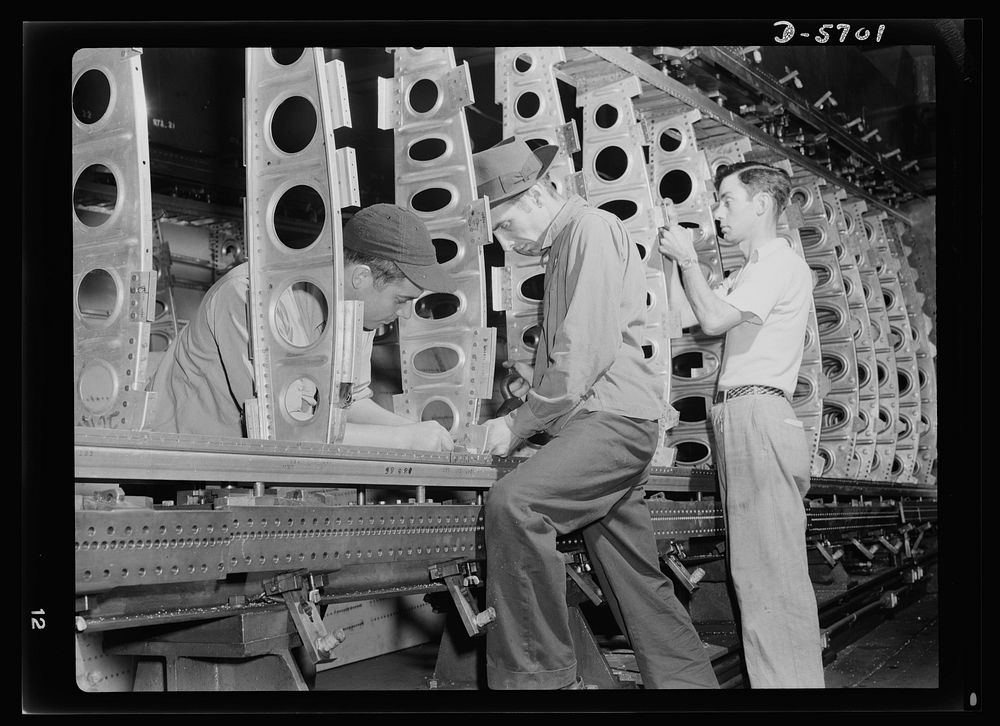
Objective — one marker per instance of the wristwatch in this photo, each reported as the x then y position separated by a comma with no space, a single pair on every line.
686,263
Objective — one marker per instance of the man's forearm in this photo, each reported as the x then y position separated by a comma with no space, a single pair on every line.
714,314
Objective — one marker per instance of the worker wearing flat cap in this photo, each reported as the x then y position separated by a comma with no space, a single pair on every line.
594,393
206,374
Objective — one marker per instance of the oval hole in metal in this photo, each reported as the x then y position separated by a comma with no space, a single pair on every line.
925,424
671,139
811,237
622,208
884,420
802,197
834,366
532,336
829,319
676,185
528,104
897,466
922,378
692,453
104,196
440,411
896,338
91,96
835,415
445,250
437,306
649,349
300,314
98,386
611,163
301,399
864,374
606,116
829,212
906,427
848,286
642,251
423,95
869,232
876,462
823,274
286,56
803,390
428,149
161,309
888,298
299,217
697,232
523,63
904,381
158,342
534,287
293,124
436,360
97,297
694,365
881,371
692,409
827,458
431,200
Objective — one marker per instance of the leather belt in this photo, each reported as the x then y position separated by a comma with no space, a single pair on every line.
737,391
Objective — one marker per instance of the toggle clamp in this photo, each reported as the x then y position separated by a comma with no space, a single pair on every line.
458,576
300,591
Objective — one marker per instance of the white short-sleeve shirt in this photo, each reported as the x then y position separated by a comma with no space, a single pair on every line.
775,289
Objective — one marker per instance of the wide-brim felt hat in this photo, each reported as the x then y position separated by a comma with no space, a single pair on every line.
511,167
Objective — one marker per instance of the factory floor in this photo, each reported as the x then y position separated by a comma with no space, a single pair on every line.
900,652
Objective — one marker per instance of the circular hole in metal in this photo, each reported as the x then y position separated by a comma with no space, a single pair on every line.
528,104
440,411
158,342
691,453
834,366
437,306
642,251
301,399
423,95
691,409
896,338
286,56
435,360
523,63
671,139
91,96
445,250
534,287
888,298
925,424
828,319
827,458
606,116
848,286
676,185
922,378
829,211
650,300
881,372
431,200
694,365
802,197
803,390
611,163
823,273
649,349
532,336
904,381
864,374
622,208
869,232
897,466
293,125
905,428
299,216
428,149
97,297
91,190
811,237
300,314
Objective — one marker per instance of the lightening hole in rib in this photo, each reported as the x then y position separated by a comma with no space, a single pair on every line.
905,381
694,365
97,298
828,319
94,176
882,372
624,209
884,420
534,287
896,338
897,466
445,249
864,374
523,63
823,274
802,197
827,458
301,399
300,314
905,428
606,116
293,124
829,212
671,139
676,185
649,349
439,359
528,104
611,163
299,216
286,56
835,415
437,306
428,149
439,411
532,336
431,200
91,96
834,366
692,409
811,237
423,95
803,390
692,453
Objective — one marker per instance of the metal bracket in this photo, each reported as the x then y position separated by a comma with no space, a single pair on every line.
671,554
457,576
576,565
142,296
830,557
300,590
869,553
480,224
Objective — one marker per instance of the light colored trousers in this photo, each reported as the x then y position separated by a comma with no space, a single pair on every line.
762,454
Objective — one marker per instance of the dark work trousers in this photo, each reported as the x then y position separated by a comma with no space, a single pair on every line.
590,477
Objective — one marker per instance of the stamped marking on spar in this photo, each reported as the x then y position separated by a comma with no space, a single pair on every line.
823,36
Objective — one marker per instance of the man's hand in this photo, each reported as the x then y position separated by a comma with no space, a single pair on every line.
427,436
300,397
521,385
500,440
675,241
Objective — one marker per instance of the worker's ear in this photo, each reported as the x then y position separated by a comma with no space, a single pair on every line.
360,276
763,202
